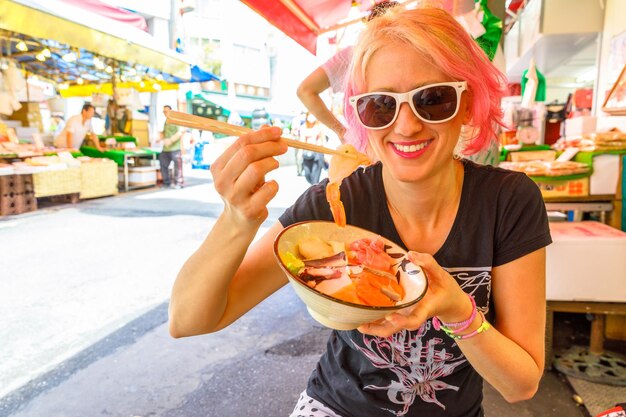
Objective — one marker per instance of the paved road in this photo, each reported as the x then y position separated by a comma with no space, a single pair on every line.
83,310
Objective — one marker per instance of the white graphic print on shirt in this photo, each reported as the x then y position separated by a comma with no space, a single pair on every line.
419,362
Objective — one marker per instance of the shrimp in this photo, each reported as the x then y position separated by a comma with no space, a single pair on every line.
340,168
333,196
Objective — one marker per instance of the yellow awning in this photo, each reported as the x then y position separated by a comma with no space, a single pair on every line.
64,23
107,88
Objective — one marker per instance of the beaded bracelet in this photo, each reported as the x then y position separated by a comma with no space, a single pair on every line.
484,326
458,326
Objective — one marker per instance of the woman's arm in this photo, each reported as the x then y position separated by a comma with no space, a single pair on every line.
309,92
223,279
510,355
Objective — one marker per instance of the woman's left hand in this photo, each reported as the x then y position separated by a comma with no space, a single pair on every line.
444,298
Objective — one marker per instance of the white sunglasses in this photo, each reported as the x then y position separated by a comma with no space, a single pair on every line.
432,103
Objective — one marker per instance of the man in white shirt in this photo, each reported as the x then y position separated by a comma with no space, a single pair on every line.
76,128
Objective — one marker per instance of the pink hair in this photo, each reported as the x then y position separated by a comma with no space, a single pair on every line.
435,35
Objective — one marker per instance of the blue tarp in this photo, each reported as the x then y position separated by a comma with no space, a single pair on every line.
198,75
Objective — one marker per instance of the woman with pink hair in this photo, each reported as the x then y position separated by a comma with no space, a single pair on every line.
478,232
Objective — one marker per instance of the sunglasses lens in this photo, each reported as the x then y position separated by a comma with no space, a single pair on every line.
376,110
436,103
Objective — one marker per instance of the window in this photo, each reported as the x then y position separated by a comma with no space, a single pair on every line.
207,52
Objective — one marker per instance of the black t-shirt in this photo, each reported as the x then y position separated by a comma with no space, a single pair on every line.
501,217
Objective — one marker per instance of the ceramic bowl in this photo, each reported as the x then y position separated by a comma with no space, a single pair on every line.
339,314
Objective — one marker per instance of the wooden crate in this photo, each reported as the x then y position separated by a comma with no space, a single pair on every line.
17,203
16,184
57,182
98,179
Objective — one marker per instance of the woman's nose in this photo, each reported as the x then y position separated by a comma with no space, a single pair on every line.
407,123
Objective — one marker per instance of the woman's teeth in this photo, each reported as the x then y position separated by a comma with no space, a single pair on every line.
412,148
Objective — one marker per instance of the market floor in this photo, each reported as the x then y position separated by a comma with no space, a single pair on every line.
257,367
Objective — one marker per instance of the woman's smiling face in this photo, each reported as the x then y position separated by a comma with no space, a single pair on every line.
410,148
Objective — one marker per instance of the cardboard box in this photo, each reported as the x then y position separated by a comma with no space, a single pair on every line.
564,188
29,115
524,156
586,262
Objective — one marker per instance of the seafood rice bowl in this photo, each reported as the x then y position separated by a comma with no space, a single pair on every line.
347,276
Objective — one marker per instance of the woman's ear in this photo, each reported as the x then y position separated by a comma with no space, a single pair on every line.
467,108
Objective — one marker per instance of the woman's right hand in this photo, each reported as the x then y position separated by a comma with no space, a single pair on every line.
239,175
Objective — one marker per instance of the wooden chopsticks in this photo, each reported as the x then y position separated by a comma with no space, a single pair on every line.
203,123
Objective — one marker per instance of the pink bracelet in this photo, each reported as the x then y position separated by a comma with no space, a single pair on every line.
458,326
484,326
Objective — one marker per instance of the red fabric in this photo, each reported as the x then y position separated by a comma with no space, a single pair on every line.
613,412
515,4
111,12
583,97
323,13
515,89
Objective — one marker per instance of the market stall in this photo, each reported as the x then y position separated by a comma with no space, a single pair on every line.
582,176
87,50
137,167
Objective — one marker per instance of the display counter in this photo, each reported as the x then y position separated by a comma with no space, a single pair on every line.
599,190
120,139
119,155
23,182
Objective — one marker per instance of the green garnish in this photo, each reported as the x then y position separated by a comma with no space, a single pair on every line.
292,262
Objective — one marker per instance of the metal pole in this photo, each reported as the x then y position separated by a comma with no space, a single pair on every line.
173,9
113,116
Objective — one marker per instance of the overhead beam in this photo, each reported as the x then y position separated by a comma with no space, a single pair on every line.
303,17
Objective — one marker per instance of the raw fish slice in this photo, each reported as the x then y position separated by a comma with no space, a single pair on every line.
331,286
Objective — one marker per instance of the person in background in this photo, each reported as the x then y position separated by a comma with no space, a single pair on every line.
478,232
296,124
78,128
312,162
170,137
332,74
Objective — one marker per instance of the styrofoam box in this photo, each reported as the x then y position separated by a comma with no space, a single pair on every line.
586,262
576,127
605,174
606,123
139,175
